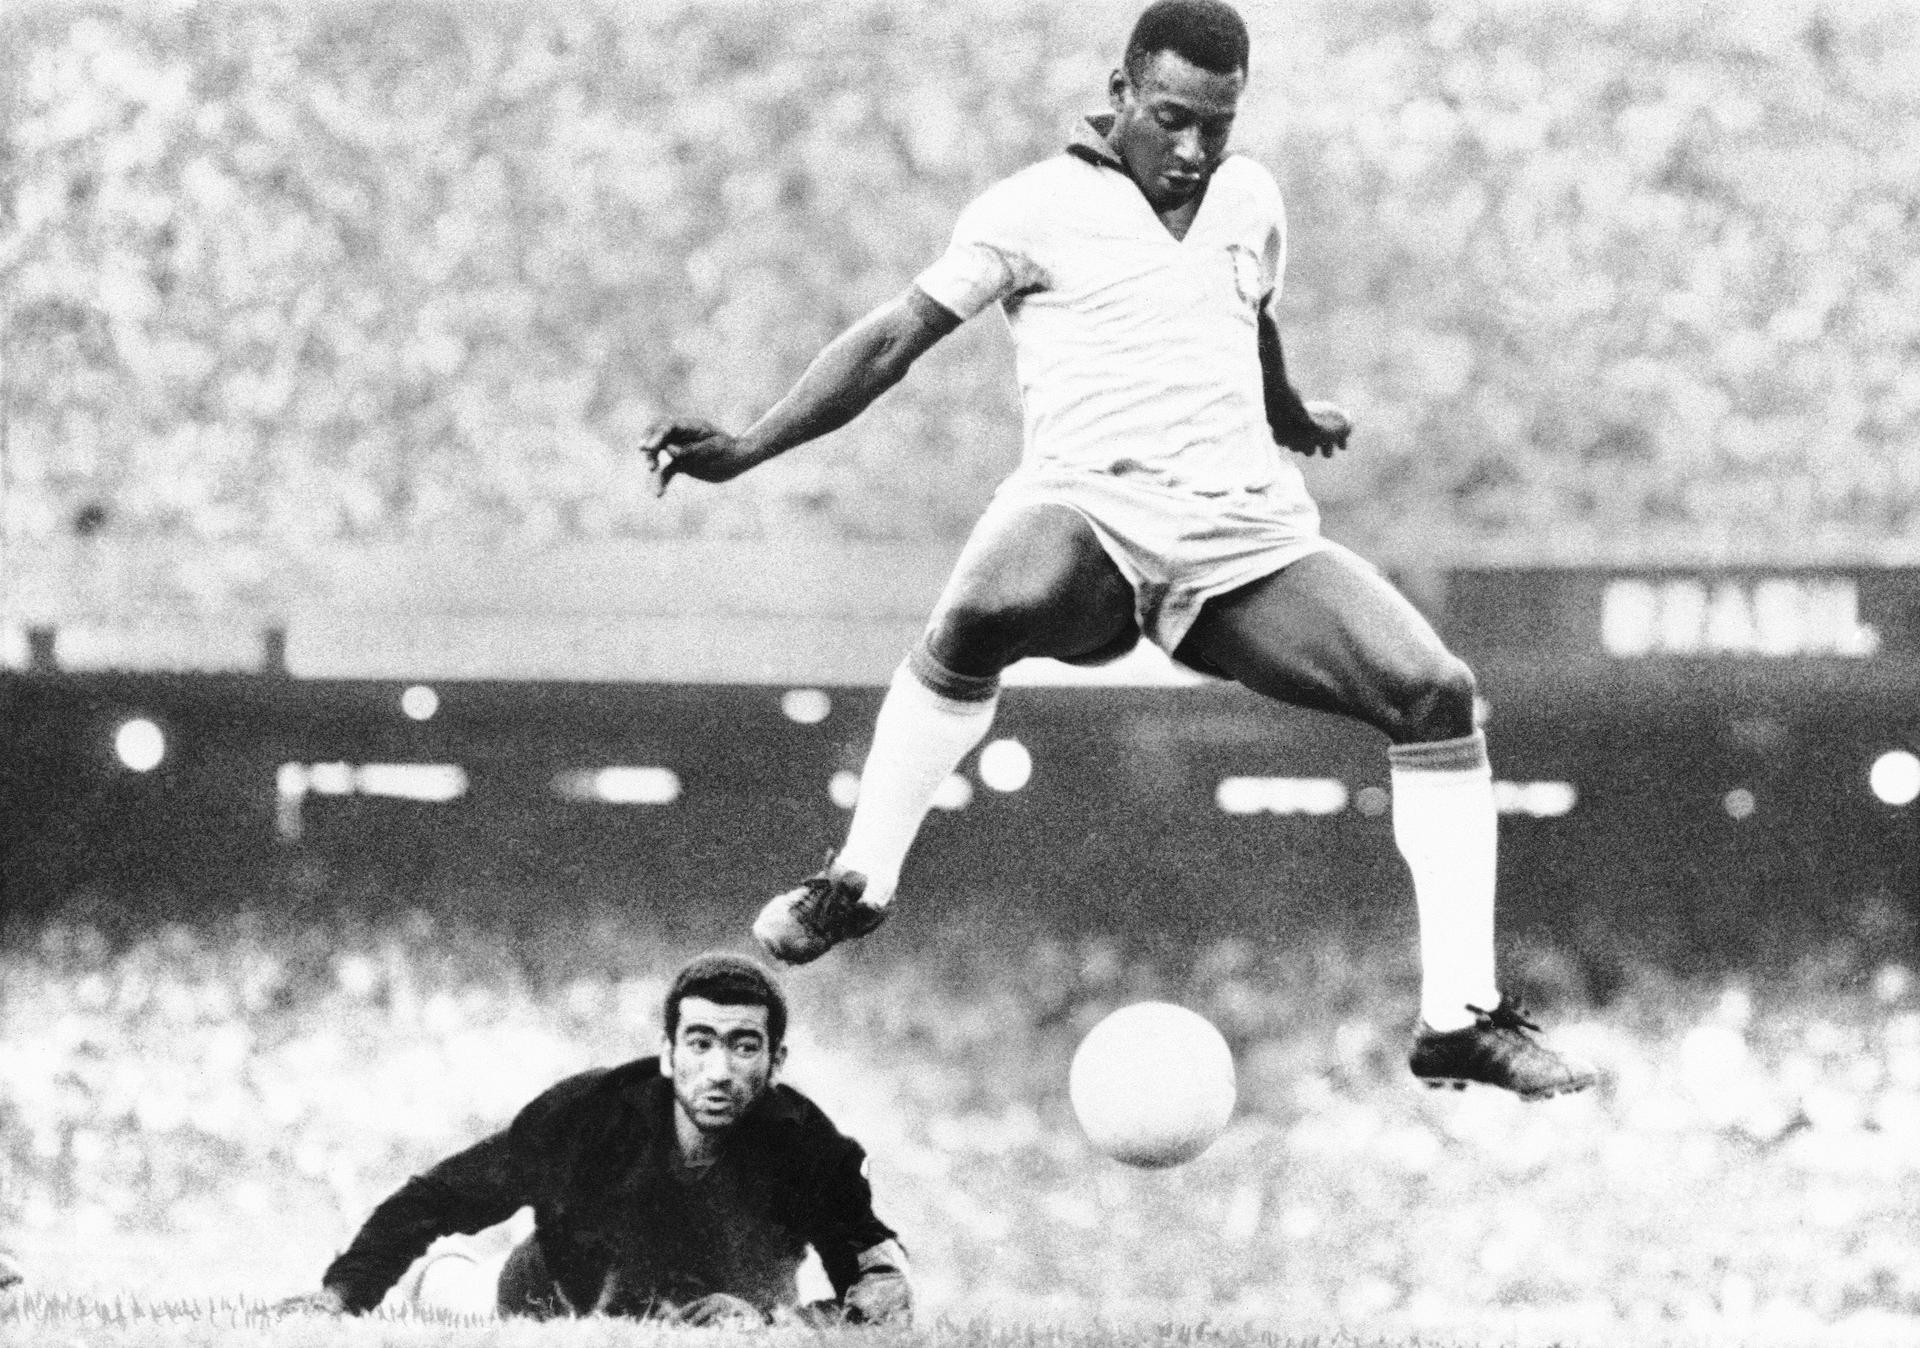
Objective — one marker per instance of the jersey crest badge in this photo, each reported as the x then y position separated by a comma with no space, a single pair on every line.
1246,273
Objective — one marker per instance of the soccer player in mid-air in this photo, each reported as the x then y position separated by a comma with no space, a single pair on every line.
1139,272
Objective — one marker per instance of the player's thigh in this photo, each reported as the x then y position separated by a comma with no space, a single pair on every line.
1032,580
1331,633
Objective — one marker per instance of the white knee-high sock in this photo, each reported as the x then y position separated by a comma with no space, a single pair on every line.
929,721
1444,822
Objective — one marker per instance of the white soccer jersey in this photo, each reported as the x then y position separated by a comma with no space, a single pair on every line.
1136,352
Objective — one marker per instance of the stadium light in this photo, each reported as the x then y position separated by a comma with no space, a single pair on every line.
620,785
1895,777
1005,765
330,779
1535,800
1281,795
1739,803
420,702
140,744
806,706
434,782
289,792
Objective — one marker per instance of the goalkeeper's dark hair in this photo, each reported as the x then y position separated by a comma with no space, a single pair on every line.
730,980
1209,33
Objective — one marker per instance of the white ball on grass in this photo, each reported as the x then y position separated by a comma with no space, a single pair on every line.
455,1282
1152,1085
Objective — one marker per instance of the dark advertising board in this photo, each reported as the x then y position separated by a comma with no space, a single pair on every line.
1751,624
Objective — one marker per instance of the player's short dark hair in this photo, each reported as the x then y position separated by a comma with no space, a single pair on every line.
1209,33
730,980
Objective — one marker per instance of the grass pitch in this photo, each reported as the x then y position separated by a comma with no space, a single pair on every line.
39,1321
185,1110
60,1322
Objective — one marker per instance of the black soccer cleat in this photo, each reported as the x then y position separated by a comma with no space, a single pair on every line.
803,924
1498,1049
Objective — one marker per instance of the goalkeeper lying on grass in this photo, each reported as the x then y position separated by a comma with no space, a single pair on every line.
685,1187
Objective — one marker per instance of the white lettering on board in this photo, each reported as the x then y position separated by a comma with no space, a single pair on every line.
1735,615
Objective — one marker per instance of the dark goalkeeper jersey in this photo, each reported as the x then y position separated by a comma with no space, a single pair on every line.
621,1224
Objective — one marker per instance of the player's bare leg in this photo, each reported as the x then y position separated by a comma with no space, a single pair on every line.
1029,582
1330,633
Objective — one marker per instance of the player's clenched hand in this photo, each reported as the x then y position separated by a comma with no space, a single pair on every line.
697,448
1326,430
880,1300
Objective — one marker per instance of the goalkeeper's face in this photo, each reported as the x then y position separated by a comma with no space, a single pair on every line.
721,1061
1171,120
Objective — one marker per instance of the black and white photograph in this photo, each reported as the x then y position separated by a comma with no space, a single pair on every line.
981,674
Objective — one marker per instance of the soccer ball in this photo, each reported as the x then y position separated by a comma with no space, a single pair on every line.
454,1279
1152,1085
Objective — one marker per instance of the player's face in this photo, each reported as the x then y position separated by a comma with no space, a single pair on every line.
721,1061
1171,125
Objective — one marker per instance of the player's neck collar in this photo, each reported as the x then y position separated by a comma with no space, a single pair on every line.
1089,141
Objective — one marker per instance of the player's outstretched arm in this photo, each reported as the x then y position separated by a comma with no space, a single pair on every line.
849,373
467,1192
1303,427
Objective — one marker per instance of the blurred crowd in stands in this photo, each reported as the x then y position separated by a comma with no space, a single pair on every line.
1602,281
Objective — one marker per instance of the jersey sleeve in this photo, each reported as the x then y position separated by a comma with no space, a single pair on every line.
844,1225
1272,221
825,1173
466,1192
990,257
